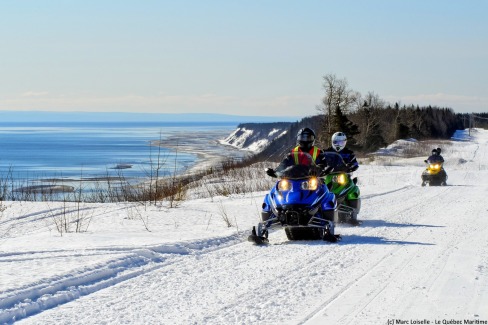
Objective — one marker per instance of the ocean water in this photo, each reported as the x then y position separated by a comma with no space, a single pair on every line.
35,152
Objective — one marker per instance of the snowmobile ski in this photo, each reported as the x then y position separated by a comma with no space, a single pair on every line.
355,222
332,238
258,240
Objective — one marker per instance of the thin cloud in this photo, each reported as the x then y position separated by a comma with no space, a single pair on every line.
208,102
35,94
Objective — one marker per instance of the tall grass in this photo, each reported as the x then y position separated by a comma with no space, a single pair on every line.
230,176
165,186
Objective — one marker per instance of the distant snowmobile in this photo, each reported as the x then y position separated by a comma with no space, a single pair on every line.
434,174
300,202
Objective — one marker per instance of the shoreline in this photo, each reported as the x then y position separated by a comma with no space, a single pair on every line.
205,147
87,150
215,153
205,159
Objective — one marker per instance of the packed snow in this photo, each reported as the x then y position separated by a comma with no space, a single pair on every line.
420,256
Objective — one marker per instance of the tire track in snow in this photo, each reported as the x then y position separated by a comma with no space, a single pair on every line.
349,287
373,268
401,189
346,307
48,293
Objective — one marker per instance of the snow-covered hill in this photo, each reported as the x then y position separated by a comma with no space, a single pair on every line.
420,257
255,137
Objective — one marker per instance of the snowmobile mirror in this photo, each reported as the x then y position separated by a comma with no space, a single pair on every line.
271,172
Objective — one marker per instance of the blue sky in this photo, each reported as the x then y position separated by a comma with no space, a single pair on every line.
239,57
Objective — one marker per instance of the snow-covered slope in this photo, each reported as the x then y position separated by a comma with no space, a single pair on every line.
255,137
421,255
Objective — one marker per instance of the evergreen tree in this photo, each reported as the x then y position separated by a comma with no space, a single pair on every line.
402,131
341,123
374,140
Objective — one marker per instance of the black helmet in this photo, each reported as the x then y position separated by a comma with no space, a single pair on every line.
439,151
306,139
434,152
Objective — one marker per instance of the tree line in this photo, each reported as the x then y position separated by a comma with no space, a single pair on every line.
370,122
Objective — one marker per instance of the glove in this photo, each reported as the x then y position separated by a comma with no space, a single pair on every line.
270,172
352,168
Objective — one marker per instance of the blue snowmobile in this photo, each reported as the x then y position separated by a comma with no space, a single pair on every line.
300,202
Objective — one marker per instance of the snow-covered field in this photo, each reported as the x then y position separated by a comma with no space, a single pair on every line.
420,257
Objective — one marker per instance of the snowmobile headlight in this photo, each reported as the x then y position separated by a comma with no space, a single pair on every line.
311,185
284,185
340,179
435,166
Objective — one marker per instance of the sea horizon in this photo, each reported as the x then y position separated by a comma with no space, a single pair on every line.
37,153
80,116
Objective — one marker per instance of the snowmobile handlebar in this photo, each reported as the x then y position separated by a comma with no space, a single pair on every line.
325,170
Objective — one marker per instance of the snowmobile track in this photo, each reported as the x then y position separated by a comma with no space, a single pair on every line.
16,304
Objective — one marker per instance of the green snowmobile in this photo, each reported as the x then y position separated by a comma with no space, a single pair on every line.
338,180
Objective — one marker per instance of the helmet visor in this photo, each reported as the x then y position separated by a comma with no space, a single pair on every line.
339,143
306,137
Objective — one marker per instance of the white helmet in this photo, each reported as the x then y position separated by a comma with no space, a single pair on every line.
339,140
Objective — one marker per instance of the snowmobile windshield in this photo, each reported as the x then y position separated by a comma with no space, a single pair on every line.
296,172
334,160
296,165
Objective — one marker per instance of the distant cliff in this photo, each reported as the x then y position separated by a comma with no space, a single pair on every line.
255,137
269,141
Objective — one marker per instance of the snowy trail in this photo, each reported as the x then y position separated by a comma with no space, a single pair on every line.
421,253
409,280
352,278
47,293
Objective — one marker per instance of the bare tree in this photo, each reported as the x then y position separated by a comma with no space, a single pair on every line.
369,116
338,96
